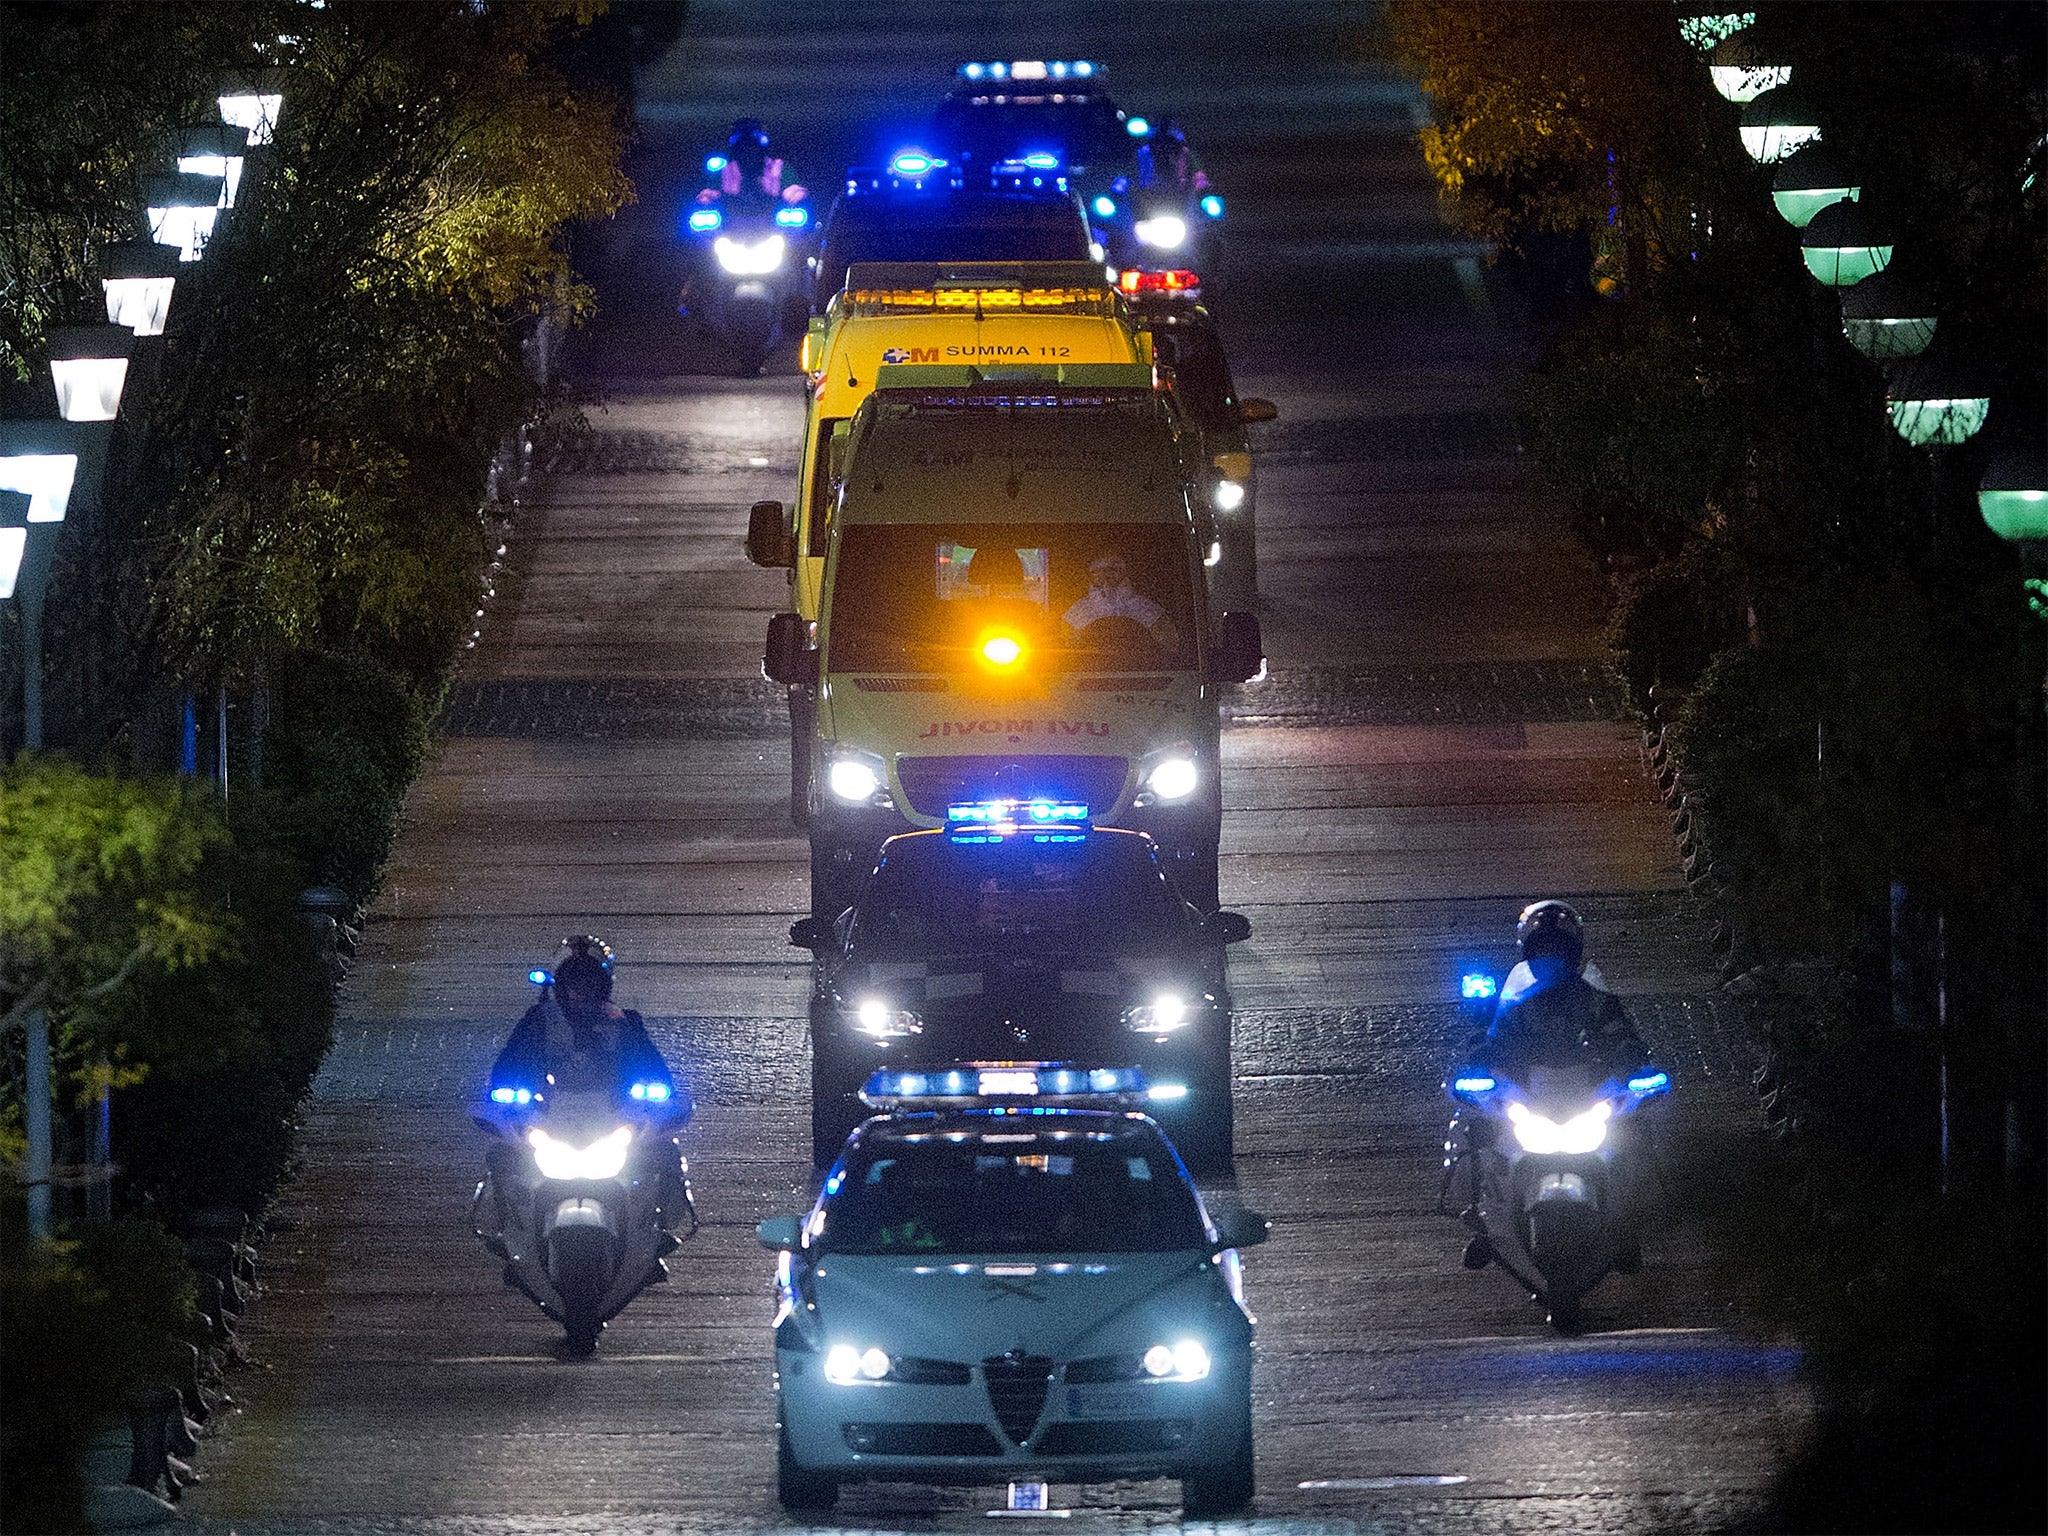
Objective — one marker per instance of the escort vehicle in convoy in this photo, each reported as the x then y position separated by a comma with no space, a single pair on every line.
1021,928
998,1284
1013,608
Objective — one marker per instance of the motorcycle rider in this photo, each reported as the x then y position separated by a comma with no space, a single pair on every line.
1555,1010
750,170
576,1039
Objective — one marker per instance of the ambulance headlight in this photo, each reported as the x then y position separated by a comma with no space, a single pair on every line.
750,258
1184,1360
875,1017
857,778
1168,778
848,1364
1166,231
1167,1012
1229,495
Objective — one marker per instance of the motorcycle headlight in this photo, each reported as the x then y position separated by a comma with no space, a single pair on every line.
602,1159
1167,231
755,258
1185,1360
1544,1137
857,778
848,1364
1228,495
873,1016
1167,1012
1168,777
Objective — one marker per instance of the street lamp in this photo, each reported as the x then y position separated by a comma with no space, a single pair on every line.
1887,317
182,209
14,532
253,103
1809,181
1843,244
215,149
1741,68
139,278
1704,25
1778,122
89,365
2013,495
1936,401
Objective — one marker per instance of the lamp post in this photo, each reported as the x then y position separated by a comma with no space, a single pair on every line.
89,366
24,576
1887,317
1741,68
1844,243
138,280
55,464
182,209
1777,123
1808,181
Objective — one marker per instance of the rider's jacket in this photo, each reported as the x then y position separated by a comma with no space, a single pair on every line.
608,1052
1550,1015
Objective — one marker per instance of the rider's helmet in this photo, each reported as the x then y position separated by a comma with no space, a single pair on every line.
1551,928
747,146
584,968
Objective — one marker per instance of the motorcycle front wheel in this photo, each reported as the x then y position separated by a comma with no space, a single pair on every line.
580,1265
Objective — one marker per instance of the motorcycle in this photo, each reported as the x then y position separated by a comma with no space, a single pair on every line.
747,282
1543,1154
581,1176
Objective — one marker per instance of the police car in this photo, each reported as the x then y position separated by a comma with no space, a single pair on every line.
1020,928
1009,1277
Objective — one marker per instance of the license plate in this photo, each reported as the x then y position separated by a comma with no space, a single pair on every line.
1107,1402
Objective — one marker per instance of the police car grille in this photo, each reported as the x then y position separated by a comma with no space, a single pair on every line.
933,783
1017,1385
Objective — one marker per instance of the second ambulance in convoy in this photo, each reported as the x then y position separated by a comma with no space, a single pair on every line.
1012,607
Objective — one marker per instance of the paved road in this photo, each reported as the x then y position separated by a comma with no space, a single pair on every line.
1436,746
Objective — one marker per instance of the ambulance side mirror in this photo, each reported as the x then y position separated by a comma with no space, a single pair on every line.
768,540
789,659
1256,410
1240,651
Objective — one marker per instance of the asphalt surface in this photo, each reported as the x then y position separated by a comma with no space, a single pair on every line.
1436,746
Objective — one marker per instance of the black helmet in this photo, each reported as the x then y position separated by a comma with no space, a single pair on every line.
1551,928
747,134
585,964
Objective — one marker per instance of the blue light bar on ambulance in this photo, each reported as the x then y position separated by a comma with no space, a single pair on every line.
1654,1082
1477,984
704,220
988,1084
503,1095
652,1093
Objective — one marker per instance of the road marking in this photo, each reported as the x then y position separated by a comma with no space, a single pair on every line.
1399,1480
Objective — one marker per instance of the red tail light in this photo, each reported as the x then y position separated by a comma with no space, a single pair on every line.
1189,283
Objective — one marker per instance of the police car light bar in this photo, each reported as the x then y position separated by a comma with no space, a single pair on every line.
1031,69
1037,821
1000,1084
1182,282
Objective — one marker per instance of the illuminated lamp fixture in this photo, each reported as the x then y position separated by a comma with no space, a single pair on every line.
89,366
252,103
1704,25
1810,180
1887,317
215,150
1936,401
1777,123
182,210
1844,243
13,540
57,464
2013,495
1741,68
138,278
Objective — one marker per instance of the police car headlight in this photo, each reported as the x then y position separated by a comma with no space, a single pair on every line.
847,1365
750,258
1544,1137
1185,1360
1166,231
1228,495
857,778
1167,1012
602,1159
873,1016
1168,777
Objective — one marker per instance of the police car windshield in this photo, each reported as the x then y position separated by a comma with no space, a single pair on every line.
932,896
930,1194
1081,597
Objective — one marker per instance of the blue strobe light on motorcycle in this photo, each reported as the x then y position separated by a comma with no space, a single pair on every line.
705,220
714,164
507,1095
652,1093
1654,1082
539,978
1105,207
1212,205
1137,127
1477,985
1473,1083
793,218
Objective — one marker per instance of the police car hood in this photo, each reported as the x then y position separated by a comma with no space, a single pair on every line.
970,1308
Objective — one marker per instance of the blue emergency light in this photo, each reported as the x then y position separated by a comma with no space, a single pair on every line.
505,1095
1655,1082
653,1093
1212,205
539,978
1137,127
1478,985
912,162
1473,1084
1105,207
793,218
1041,161
714,164
705,220
1001,1083
1038,820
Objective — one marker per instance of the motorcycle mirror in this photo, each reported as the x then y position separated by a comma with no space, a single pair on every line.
779,1232
803,933
1226,927
1242,1229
